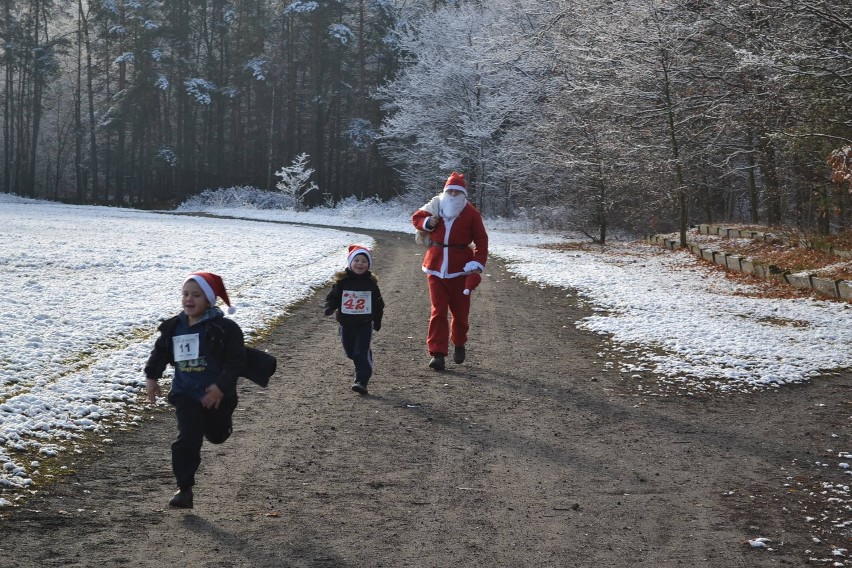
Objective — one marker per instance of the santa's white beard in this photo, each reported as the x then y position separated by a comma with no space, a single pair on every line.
452,205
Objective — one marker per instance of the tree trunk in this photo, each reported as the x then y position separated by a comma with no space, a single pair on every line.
8,102
121,142
770,176
78,121
675,149
602,212
93,143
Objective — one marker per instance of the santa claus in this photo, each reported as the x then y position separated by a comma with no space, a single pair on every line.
457,246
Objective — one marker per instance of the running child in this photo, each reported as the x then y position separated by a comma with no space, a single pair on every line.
358,302
208,354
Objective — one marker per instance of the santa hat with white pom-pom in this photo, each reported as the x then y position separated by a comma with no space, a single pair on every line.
213,287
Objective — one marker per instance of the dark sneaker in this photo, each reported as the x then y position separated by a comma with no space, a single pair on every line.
182,499
438,363
360,388
458,354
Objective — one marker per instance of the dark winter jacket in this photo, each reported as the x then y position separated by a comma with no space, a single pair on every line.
221,347
357,299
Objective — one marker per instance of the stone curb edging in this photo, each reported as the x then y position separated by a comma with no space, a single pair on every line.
838,289
732,232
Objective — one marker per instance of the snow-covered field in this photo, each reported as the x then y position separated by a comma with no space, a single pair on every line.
84,288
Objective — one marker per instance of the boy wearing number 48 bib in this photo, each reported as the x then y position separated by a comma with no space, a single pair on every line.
208,353
358,302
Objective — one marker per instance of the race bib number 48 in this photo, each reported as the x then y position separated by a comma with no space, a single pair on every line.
185,347
356,302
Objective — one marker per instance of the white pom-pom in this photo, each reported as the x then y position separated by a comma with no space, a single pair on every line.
232,309
466,292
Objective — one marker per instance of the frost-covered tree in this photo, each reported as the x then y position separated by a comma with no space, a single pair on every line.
667,97
295,181
576,157
778,63
459,91
622,132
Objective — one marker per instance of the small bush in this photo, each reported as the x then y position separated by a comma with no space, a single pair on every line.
237,198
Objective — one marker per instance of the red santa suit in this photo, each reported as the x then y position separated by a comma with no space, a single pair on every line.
449,258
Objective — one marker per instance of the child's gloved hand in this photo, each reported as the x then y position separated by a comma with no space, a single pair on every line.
377,325
328,311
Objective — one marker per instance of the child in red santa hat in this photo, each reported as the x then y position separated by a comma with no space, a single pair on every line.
208,354
356,298
457,247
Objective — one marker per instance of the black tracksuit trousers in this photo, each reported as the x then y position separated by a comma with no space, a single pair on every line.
195,423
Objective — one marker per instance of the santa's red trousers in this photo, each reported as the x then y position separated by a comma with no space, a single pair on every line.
447,294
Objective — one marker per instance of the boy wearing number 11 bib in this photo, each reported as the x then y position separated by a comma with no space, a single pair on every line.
208,353
358,302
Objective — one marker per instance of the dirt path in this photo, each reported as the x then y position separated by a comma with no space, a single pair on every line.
531,454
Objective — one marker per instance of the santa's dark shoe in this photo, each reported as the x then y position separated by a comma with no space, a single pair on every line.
458,354
438,363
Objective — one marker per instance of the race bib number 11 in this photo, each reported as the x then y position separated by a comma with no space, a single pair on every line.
185,347
356,302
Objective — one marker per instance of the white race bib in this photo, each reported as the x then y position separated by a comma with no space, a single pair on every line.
356,303
185,347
